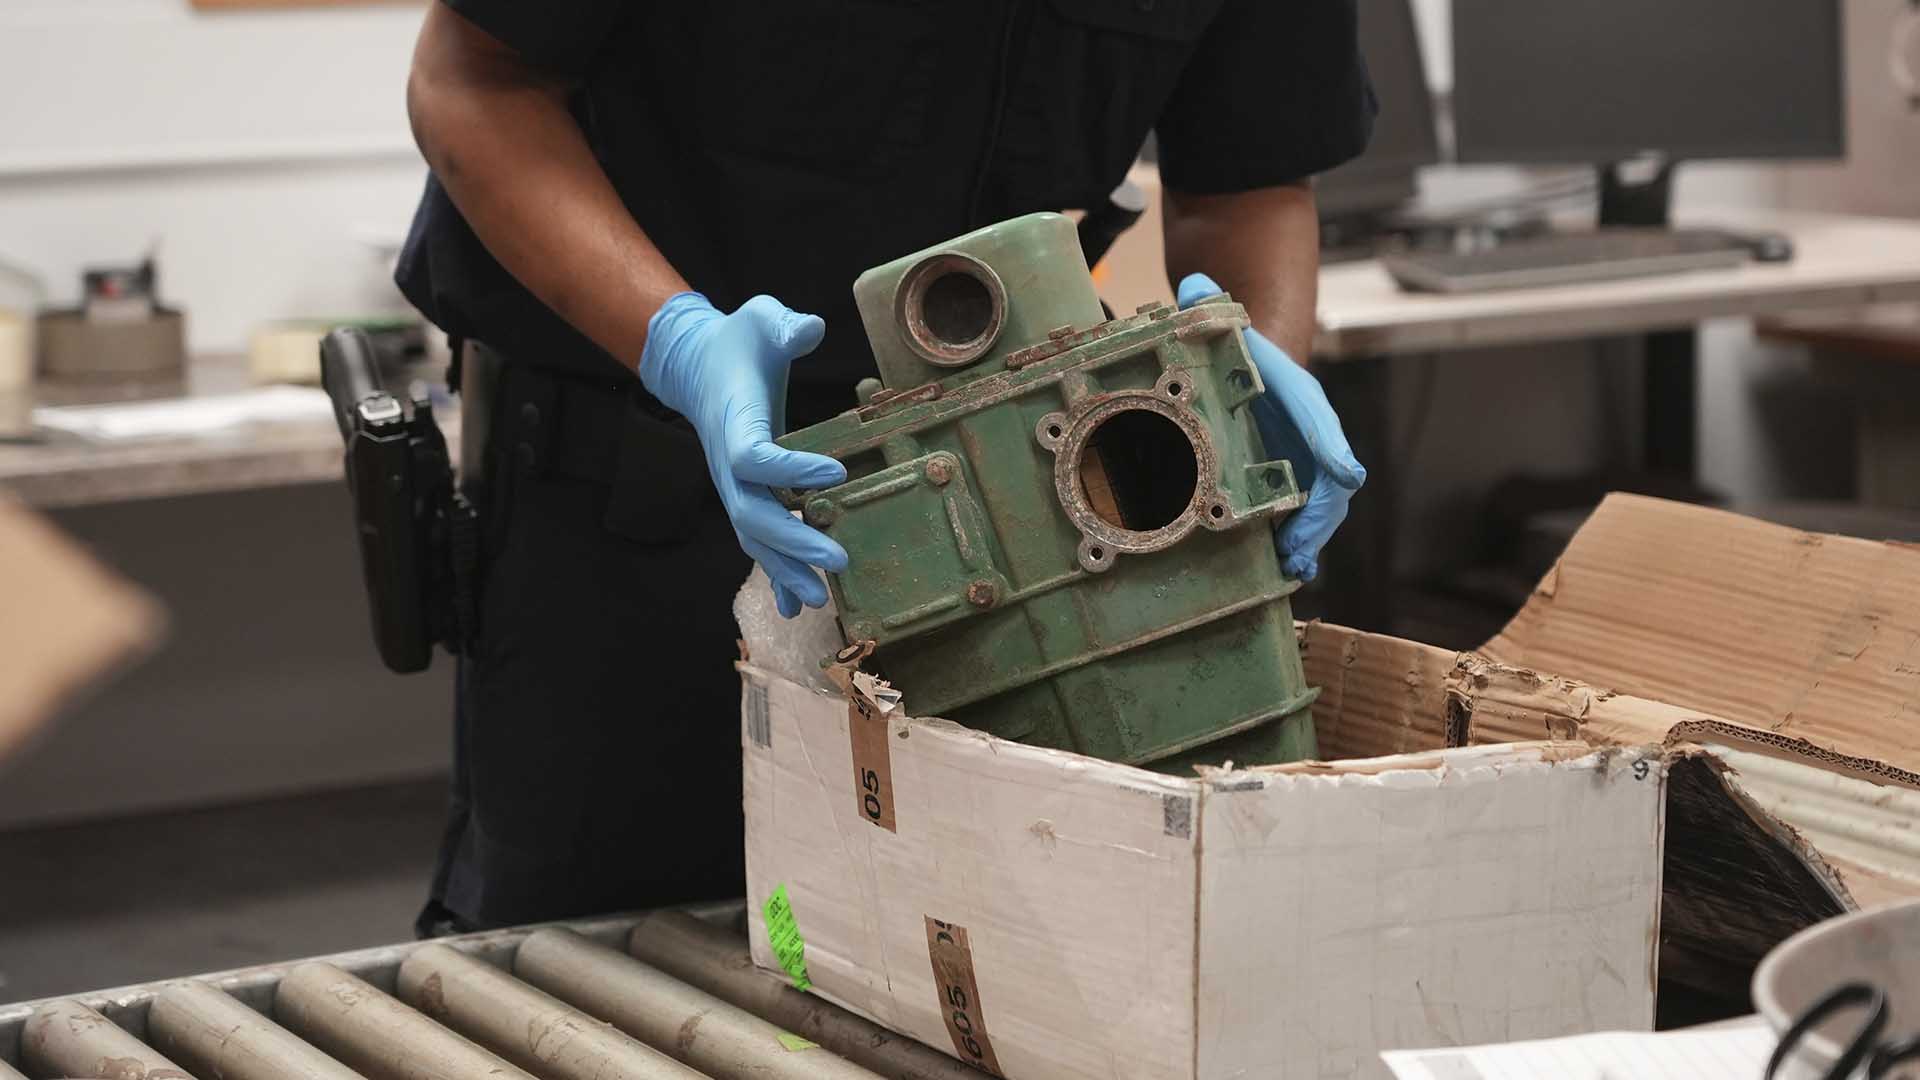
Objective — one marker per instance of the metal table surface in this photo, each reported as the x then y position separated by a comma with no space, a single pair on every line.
58,470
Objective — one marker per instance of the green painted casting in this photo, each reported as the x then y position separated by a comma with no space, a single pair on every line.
1059,526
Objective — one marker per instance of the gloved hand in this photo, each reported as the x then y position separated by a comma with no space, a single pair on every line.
1298,424
727,374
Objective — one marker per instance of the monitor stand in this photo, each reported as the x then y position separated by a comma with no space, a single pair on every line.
1353,235
1670,357
1647,203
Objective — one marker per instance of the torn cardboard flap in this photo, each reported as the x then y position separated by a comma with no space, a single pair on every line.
1803,644
1378,694
883,698
1768,644
69,623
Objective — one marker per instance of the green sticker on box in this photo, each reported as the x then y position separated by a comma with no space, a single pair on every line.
794,1042
784,934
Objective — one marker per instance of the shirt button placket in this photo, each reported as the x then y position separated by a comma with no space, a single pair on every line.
524,453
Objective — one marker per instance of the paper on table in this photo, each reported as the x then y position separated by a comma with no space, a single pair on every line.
1731,1050
176,417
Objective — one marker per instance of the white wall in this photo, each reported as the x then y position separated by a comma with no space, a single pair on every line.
264,152
1740,451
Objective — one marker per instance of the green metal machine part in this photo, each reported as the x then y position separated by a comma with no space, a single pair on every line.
1059,526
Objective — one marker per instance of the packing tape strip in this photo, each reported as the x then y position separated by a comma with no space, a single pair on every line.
872,761
952,957
869,702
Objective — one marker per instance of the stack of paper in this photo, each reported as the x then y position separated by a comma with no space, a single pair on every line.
188,416
1738,1049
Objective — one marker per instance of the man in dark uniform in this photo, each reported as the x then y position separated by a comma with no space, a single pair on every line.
610,177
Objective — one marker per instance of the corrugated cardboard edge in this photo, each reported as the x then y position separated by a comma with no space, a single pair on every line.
1512,700
69,623
1799,644
1506,704
1379,695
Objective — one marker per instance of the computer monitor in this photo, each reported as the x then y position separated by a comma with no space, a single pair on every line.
1403,135
1599,81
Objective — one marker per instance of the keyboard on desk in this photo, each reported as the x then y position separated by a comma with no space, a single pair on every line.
1569,258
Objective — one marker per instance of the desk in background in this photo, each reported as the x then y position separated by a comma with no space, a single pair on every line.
59,470
268,683
1886,341
1365,320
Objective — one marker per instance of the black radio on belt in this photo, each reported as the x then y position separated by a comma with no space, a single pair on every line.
418,534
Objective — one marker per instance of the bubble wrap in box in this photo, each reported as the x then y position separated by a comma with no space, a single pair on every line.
791,648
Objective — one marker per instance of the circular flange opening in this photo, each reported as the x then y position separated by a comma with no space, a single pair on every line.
1138,470
952,307
1135,472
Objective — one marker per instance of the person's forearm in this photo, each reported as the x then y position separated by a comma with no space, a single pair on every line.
1263,246
498,135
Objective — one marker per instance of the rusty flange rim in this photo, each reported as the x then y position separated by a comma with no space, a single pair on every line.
1101,540
909,310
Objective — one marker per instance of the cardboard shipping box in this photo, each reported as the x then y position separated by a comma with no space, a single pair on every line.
1482,858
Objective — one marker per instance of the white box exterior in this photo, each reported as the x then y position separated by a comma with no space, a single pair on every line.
1284,924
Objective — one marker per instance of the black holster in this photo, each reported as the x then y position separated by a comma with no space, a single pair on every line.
419,539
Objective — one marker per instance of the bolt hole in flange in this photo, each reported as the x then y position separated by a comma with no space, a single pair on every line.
1139,471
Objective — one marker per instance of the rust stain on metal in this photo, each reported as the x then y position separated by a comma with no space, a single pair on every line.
433,997
689,1031
887,401
1060,340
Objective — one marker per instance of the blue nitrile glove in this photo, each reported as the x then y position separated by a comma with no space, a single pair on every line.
1298,424
727,374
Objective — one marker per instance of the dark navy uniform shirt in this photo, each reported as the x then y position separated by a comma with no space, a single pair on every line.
783,146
